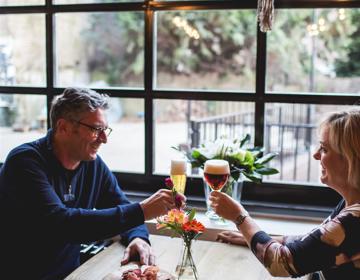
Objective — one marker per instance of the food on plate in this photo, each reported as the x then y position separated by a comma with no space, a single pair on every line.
149,273
135,271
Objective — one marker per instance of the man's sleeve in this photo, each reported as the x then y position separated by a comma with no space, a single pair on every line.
116,196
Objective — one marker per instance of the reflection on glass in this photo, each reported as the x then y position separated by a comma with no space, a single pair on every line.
194,123
313,50
100,49
124,150
21,2
22,119
22,50
292,131
210,50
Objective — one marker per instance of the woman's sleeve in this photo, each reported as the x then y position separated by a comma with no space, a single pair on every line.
322,248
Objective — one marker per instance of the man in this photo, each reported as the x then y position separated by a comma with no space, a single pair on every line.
56,193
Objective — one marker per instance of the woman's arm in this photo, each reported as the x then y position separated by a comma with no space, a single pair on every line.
274,255
236,238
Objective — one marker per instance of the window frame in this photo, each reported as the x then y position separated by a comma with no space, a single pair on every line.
282,198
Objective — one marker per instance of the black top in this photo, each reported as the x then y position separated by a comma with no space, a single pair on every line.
331,251
40,229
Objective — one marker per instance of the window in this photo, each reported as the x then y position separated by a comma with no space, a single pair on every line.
21,32
124,150
194,52
100,50
19,122
183,72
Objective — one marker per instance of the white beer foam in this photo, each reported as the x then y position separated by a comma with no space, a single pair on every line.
216,166
178,167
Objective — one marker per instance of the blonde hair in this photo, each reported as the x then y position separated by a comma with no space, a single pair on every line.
344,138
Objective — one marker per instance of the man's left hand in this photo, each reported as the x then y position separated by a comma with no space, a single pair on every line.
139,247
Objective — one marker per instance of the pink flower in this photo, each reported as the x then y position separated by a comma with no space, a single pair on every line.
178,201
169,183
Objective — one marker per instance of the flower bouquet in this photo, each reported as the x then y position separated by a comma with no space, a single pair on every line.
247,161
243,162
183,224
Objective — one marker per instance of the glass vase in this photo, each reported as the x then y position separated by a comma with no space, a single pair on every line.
186,268
232,187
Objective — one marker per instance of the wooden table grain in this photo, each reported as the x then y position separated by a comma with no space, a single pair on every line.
214,260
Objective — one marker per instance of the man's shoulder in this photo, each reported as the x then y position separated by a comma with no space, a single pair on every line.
27,149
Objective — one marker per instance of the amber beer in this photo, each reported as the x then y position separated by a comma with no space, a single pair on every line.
178,174
216,173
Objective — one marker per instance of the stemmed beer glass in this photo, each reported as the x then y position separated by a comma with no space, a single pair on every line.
216,175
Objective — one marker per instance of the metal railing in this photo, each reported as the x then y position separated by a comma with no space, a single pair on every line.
293,141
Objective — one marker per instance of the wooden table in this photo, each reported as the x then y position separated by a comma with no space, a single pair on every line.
214,260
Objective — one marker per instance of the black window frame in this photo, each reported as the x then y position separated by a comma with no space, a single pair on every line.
267,198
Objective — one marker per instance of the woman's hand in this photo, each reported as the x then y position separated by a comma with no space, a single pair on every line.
232,237
225,206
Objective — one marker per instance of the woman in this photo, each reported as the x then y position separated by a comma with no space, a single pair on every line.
332,250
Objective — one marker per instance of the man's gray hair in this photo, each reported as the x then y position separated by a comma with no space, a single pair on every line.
73,102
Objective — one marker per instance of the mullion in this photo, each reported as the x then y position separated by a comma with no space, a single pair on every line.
50,55
260,87
148,84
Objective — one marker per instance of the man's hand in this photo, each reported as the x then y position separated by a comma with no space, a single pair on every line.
139,248
232,237
159,203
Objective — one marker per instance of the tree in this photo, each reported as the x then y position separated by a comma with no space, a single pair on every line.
350,65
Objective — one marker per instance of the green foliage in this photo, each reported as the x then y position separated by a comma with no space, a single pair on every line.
115,45
227,44
350,65
250,162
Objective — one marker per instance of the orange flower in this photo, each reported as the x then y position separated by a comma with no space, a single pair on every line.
193,226
176,216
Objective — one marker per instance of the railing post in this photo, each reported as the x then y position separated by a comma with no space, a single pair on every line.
195,134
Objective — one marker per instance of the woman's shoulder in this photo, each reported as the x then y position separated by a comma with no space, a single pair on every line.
353,210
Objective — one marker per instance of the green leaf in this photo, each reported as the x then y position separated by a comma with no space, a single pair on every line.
266,158
245,139
192,214
235,175
267,171
196,154
255,177
249,158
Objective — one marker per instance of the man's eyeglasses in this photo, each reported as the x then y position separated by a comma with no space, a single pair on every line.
96,130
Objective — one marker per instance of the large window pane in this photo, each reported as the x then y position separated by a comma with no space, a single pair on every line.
22,119
314,51
186,124
124,150
93,1
22,50
292,131
100,49
21,2
214,50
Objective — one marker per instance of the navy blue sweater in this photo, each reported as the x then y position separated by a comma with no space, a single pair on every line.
40,232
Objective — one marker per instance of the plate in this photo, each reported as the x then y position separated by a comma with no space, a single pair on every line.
117,274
